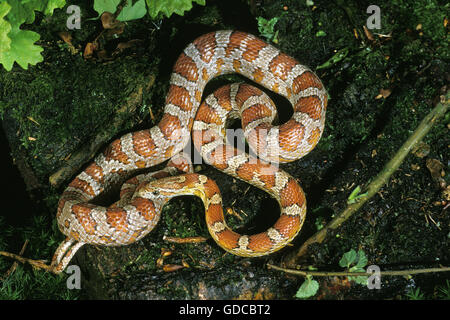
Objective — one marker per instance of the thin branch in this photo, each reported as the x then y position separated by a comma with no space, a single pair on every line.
185,240
382,178
305,273
14,265
40,264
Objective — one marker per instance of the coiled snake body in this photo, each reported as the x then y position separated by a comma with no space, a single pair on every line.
142,197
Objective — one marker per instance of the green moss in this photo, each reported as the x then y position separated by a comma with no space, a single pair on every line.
54,110
37,285
24,283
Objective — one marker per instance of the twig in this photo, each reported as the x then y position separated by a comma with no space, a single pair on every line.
15,264
40,264
382,178
305,273
184,240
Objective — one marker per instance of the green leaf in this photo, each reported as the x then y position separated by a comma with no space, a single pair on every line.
5,28
348,258
321,33
22,50
354,196
362,280
361,260
129,12
20,13
338,56
133,12
17,45
167,7
415,294
52,5
307,289
105,6
45,6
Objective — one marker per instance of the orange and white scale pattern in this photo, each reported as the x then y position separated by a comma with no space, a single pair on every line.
208,56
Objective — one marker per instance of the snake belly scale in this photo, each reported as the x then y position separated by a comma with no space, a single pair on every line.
142,197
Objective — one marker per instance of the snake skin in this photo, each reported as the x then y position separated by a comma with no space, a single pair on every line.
142,197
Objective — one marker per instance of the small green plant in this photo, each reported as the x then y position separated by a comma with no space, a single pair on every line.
338,56
137,9
354,196
18,45
267,28
415,294
444,292
355,262
321,33
319,223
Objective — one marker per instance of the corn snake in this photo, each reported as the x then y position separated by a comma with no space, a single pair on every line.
142,198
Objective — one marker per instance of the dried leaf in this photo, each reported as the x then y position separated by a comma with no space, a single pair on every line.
159,262
436,169
103,55
89,50
66,37
125,45
110,33
368,34
384,93
172,267
446,193
385,36
185,264
421,150
108,20
32,120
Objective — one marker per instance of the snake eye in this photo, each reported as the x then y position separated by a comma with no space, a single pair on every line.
155,193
